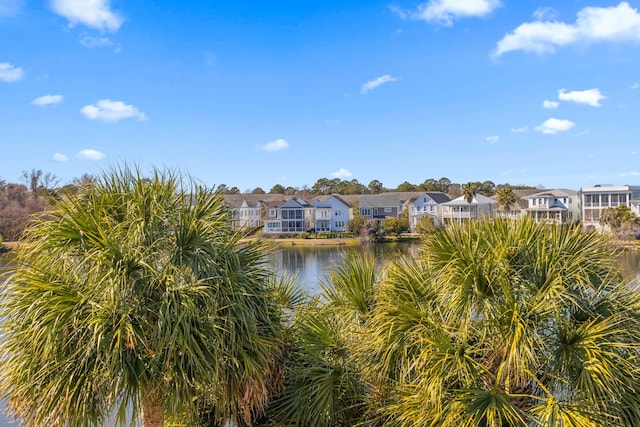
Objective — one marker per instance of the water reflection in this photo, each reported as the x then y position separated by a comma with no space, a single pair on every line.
312,264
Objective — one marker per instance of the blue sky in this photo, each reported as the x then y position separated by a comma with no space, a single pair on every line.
252,94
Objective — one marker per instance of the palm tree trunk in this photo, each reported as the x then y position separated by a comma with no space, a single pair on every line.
153,409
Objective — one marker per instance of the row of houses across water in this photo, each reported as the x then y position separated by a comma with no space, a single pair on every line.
276,213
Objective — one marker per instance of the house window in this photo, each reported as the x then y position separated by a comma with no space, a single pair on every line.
388,210
375,211
272,212
365,211
533,202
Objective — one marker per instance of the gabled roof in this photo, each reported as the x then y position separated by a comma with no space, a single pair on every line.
438,197
554,193
322,202
295,203
478,199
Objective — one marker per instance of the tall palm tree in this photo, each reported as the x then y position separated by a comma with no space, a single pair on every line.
506,324
506,198
469,191
136,293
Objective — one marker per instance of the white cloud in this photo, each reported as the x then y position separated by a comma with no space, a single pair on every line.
635,86
520,130
552,126
341,173
550,104
111,111
89,154
60,158
91,13
276,145
594,24
10,73
10,7
492,139
372,84
41,101
445,11
590,97
545,13
90,41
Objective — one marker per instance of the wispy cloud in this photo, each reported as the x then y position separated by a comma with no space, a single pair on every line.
492,139
10,73
60,158
590,97
619,23
111,111
275,145
550,104
95,14
522,129
635,86
92,42
341,173
545,13
372,84
10,7
89,154
44,100
444,12
552,126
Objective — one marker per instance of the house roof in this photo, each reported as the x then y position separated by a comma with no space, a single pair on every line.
478,199
561,192
321,202
389,199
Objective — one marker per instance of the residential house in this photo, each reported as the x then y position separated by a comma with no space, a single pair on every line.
248,214
377,207
559,206
598,198
293,216
519,209
425,205
459,210
332,213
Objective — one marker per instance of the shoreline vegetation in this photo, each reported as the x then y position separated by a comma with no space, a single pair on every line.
633,245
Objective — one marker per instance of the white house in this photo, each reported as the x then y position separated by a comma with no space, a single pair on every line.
596,199
425,205
332,213
559,206
460,210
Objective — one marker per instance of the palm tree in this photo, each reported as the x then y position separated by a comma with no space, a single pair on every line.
506,324
506,198
136,293
469,191
324,386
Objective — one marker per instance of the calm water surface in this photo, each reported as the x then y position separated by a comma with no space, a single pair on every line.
311,265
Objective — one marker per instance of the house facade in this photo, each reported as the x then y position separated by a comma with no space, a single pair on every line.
296,215
332,214
598,198
558,206
425,205
459,210
377,207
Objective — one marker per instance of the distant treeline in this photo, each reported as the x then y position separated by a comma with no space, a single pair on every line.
37,190
339,186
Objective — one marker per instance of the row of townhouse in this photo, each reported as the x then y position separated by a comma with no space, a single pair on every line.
282,214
